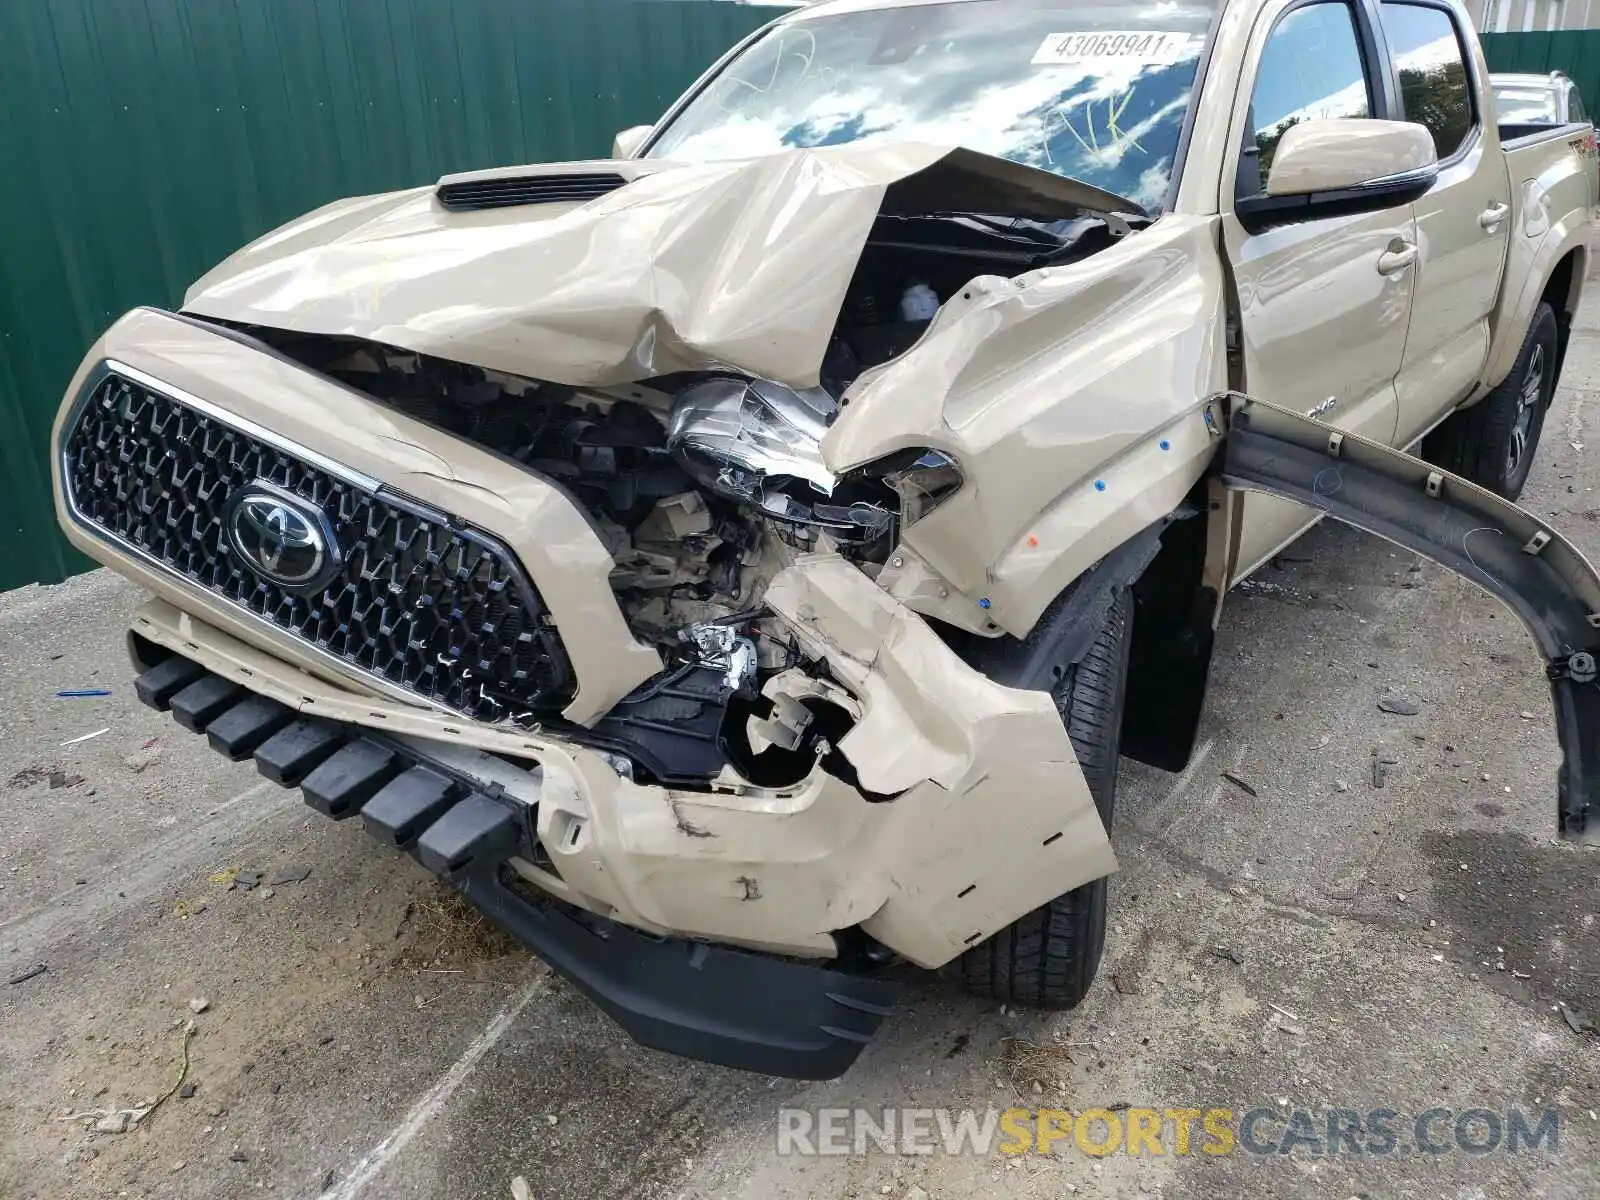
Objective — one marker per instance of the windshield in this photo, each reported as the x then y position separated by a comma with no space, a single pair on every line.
1519,104
1097,92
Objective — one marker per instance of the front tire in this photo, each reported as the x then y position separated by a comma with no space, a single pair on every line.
1493,442
1048,958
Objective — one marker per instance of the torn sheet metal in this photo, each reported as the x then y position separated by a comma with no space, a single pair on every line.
790,718
1070,398
992,814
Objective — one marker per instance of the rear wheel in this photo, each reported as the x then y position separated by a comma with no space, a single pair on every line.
1048,958
1493,442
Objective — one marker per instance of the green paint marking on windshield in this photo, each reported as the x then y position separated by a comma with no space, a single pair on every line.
1116,115
1119,140
784,52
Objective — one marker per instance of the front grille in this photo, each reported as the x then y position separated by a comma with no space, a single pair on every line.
441,609
527,189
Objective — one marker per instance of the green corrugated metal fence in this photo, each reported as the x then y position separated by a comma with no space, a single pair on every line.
1575,51
143,140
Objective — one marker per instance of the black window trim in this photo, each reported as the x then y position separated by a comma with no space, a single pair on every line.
1383,97
1180,155
1474,84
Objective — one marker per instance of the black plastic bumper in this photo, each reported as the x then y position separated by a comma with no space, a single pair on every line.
739,1009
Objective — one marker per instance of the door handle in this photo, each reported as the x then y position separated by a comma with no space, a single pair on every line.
1489,219
1400,255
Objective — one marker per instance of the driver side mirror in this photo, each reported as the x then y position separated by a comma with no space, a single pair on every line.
1325,168
627,143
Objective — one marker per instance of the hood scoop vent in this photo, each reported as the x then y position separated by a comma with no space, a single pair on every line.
507,191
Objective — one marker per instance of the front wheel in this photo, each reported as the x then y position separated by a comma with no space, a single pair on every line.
1493,442
1048,957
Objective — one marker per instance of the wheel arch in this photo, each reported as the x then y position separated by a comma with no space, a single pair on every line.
1555,272
1170,568
1562,291
1177,601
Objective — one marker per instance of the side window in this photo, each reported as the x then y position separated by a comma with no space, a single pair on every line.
1575,110
1434,87
1311,68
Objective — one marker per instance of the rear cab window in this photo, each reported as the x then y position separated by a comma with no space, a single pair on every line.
1435,86
1517,104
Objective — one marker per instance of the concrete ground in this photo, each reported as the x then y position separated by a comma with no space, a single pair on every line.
1306,941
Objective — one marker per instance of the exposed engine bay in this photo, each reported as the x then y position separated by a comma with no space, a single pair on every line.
704,486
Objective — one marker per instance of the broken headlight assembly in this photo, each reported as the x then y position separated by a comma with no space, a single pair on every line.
759,443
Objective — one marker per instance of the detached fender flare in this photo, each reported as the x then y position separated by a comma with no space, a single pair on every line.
1489,541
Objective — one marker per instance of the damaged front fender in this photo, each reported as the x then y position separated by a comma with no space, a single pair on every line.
992,816
1502,548
958,807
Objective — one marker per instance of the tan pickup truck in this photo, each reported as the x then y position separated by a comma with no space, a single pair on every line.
737,564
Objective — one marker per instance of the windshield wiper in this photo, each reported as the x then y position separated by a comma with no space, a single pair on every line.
1020,240
1019,230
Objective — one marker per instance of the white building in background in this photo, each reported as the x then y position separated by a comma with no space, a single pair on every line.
1527,16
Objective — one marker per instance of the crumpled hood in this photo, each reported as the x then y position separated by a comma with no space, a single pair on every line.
734,264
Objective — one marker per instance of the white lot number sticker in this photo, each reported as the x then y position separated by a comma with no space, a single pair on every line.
1112,45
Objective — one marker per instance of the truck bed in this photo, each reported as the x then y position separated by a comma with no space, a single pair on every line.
1551,171
1515,135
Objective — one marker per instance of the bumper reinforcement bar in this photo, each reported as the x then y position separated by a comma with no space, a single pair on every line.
732,1007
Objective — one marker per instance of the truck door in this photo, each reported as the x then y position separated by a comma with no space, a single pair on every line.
1323,304
1463,222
